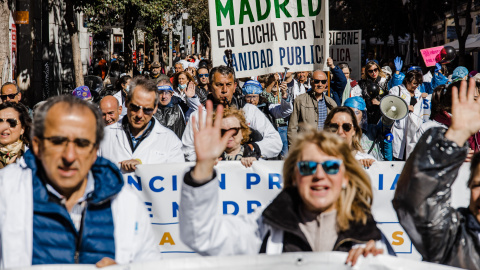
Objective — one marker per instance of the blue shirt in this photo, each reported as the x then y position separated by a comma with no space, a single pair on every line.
322,113
135,140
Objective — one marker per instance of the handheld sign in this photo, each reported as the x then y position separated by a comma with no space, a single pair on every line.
429,55
266,36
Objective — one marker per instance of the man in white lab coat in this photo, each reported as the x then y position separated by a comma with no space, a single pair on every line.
139,138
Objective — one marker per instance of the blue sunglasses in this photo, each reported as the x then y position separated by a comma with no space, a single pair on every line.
330,167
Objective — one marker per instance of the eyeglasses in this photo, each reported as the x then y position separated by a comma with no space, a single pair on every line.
345,126
136,108
202,75
81,145
330,167
320,81
223,131
12,121
373,70
10,96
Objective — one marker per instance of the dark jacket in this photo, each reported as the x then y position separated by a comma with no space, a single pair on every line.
283,214
373,111
337,85
439,232
172,116
55,239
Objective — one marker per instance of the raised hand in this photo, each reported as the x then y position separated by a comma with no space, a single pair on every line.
330,63
190,91
208,142
465,113
398,63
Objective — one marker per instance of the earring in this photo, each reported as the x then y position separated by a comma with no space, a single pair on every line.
344,186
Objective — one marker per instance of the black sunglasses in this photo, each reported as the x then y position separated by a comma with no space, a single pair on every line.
319,81
330,167
136,108
345,126
373,70
202,75
12,121
237,129
10,96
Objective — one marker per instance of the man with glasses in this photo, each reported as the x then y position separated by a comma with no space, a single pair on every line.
311,108
62,204
10,93
202,74
171,109
139,138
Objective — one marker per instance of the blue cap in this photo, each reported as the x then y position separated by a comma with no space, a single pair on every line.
252,87
165,88
459,73
356,102
174,51
82,92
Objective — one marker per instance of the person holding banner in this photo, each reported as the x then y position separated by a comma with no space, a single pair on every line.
422,198
223,85
324,205
338,82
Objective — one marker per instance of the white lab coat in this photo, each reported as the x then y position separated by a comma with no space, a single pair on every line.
270,146
118,96
400,127
161,146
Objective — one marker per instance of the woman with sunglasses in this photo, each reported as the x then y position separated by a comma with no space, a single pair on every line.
237,147
374,85
324,204
15,124
342,121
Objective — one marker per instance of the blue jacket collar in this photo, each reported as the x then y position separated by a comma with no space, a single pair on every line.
108,179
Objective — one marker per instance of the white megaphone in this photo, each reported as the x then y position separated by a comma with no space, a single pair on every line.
393,108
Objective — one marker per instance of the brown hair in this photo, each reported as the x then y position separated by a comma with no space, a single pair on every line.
189,78
358,130
368,66
240,115
356,199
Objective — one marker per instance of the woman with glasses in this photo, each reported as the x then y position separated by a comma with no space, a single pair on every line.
324,205
408,91
342,121
374,85
15,124
237,147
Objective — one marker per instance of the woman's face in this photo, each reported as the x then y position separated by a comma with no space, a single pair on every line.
182,79
345,126
235,141
373,72
319,191
10,134
411,86
124,85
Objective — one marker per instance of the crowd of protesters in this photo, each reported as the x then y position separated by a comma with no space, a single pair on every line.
63,162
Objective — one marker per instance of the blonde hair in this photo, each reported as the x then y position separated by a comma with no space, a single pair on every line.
368,66
355,200
232,111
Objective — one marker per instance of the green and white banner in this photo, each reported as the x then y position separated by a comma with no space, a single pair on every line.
267,35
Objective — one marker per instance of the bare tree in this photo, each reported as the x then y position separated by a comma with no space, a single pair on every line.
462,37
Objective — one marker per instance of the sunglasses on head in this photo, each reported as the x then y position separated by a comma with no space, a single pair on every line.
237,129
319,81
345,126
12,121
330,167
10,96
202,75
136,108
373,70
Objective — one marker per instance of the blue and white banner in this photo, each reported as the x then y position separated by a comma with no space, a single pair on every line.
242,190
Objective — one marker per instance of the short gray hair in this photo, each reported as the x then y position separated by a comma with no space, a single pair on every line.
146,84
72,102
223,70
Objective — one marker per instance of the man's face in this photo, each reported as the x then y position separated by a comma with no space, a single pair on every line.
319,82
140,117
68,148
165,97
110,111
156,70
346,71
10,93
252,99
302,76
223,87
475,195
178,68
203,76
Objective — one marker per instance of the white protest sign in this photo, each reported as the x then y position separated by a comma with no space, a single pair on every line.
242,190
346,47
266,36
292,260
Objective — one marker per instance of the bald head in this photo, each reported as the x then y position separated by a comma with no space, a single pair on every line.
319,83
111,110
